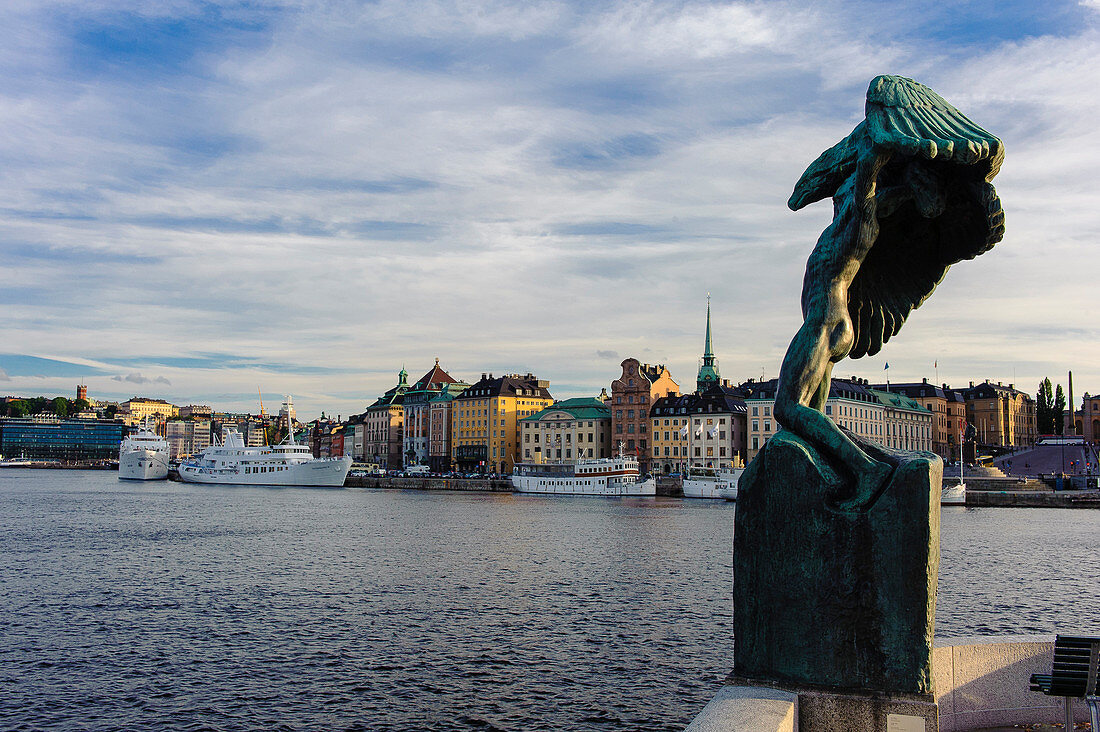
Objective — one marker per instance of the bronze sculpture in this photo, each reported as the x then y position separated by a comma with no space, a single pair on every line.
912,196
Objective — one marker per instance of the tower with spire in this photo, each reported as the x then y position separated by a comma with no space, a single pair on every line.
708,367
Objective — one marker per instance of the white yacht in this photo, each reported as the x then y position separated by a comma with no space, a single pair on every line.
614,476
954,495
700,482
287,463
143,455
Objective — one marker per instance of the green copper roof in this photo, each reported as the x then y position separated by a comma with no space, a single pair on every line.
897,400
579,408
708,370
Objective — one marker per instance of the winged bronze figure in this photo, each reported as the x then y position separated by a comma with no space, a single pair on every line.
911,196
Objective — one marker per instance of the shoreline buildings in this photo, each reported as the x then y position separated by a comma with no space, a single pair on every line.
485,424
568,431
632,396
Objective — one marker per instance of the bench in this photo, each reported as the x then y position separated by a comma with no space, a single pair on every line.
1074,674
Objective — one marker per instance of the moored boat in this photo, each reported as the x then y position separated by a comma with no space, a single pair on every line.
703,482
143,455
614,476
953,495
287,463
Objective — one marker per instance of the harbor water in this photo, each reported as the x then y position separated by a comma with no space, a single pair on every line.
171,606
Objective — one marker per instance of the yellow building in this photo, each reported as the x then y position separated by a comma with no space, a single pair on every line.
137,409
485,426
671,432
1002,415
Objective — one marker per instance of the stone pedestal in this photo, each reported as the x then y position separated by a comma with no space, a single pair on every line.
839,602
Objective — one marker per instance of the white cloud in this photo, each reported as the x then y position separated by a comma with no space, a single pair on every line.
380,184
137,378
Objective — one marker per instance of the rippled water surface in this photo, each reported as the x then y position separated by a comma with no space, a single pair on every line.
173,606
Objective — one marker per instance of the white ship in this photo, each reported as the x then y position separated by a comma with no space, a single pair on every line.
700,482
287,463
143,455
614,476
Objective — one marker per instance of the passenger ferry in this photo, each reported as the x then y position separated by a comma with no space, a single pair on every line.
287,463
614,476
143,456
701,482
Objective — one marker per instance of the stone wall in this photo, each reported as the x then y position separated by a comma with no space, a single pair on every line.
430,484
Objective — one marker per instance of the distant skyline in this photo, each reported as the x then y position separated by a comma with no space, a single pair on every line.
199,200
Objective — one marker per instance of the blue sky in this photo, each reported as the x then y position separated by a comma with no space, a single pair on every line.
201,199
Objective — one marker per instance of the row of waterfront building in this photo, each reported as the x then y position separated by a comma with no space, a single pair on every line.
94,434
497,421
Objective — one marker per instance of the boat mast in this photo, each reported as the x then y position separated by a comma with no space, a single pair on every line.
289,424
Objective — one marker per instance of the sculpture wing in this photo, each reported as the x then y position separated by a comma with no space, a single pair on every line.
942,164
906,117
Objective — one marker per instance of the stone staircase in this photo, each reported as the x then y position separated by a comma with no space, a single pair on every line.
995,483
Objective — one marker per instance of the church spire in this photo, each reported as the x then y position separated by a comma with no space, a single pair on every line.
708,368
708,350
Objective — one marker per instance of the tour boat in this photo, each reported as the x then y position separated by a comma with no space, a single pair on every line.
614,476
701,482
287,463
143,455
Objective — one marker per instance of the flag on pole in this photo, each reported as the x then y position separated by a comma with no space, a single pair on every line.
684,431
886,366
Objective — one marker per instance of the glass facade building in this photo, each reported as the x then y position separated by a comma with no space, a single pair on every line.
61,439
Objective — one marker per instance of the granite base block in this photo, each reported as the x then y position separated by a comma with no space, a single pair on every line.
827,710
829,598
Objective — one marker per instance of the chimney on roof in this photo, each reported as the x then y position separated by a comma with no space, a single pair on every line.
924,380
945,385
971,384
1011,386
483,376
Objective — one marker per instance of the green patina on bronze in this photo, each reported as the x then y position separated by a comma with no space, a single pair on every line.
836,544
911,196
837,599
